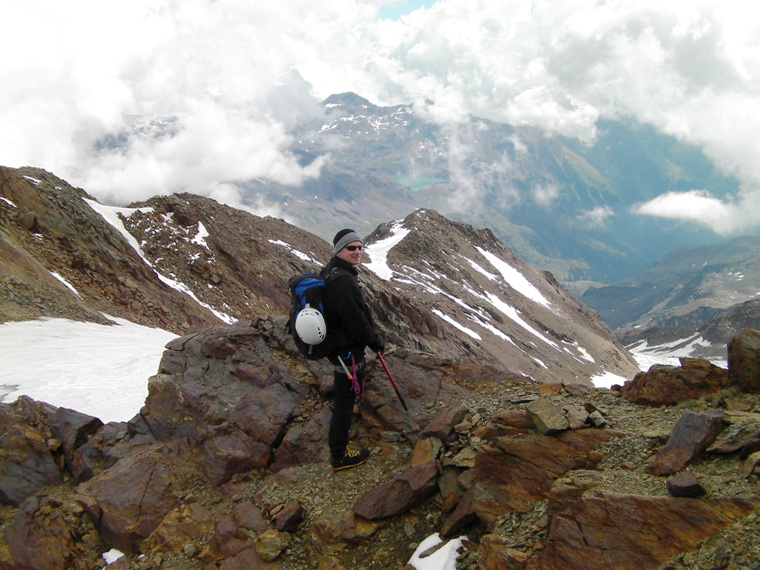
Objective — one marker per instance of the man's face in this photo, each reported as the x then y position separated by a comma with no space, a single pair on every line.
354,257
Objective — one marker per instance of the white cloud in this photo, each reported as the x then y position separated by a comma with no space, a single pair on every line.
596,217
703,208
235,76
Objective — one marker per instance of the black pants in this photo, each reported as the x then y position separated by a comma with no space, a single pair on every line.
344,397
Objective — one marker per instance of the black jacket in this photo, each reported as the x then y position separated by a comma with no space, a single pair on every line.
347,312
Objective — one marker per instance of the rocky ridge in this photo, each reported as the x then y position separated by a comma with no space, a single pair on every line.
183,262
225,467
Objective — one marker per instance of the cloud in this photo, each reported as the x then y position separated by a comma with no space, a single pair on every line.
546,194
595,218
235,77
699,206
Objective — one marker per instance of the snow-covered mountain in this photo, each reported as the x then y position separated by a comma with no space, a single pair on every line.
183,262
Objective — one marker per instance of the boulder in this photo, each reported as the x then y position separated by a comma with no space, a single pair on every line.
744,360
691,436
443,425
547,417
289,517
685,484
73,429
50,533
517,470
26,464
232,534
670,385
590,528
133,496
413,487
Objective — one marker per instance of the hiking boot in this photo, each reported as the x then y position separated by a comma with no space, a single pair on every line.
351,458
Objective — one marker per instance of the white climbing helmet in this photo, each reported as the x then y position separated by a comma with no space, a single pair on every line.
310,325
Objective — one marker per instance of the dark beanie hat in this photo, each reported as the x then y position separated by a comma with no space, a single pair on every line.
343,238
340,234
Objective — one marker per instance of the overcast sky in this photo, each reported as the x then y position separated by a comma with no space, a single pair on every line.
236,75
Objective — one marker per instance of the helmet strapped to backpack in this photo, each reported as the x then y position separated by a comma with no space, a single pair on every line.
307,322
310,325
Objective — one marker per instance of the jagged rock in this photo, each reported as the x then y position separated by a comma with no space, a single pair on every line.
50,533
271,543
426,450
513,417
227,455
685,485
26,464
744,360
103,449
450,489
463,514
494,553
670,385
590,528
73,429
576,416
289,517
547,417
751,465
398,495
742,434
264,413
133,496
232,533
692,435
180,528
443,426
521,469
333,532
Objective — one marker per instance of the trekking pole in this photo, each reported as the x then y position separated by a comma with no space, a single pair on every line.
388,372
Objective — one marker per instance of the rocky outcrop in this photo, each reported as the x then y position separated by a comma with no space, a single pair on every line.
669,385
744,360
225,467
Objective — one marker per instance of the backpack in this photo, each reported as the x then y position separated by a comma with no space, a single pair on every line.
306,301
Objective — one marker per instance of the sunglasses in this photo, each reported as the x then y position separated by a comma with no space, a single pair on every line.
353,247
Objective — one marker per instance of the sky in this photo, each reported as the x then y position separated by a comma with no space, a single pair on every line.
228,79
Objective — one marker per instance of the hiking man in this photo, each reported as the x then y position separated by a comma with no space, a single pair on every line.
346,311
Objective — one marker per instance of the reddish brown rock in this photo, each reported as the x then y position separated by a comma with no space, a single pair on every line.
26,464
463,514
49,533
691,436
685,484
522,468
411,488
443,425
495,554
232,534
289,517
669,385
73,429
513,417
610,531
334,532
133,496
744,360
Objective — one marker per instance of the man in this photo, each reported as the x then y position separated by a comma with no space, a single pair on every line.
347,312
